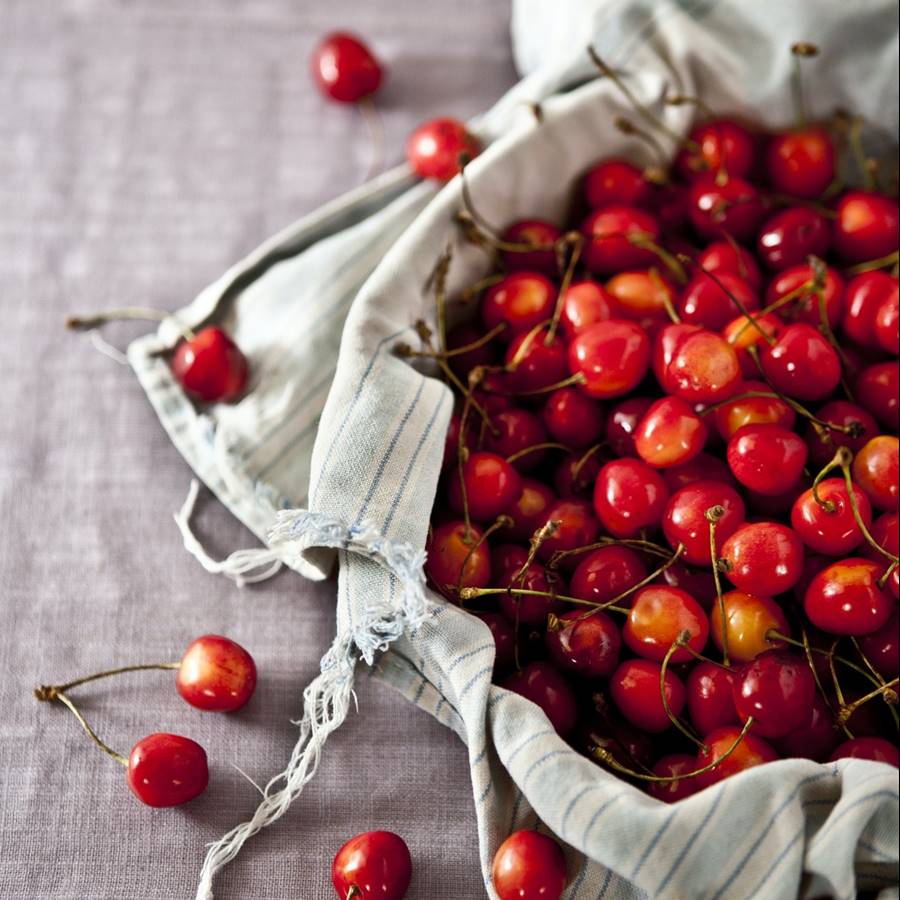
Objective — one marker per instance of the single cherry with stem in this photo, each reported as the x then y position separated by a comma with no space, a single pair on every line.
438,149
374,865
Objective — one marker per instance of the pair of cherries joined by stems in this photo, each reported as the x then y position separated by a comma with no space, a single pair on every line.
215,674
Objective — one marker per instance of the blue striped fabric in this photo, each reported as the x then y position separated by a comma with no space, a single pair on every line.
335,416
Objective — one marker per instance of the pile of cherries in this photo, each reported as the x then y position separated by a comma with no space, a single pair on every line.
670,484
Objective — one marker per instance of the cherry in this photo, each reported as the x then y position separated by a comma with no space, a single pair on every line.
629,496
506,560
540,683
529,511
374,865
167,770
344,68
216,674
531,231
622,422
659,616
492,486
710,700
516,430
210,367
585,303
703,368
828,525
734,415
572,418
792,235
750,619
729,206
671,208
576,475
815,739
720,145
874,748
576,527
438,148
533,364
845,598
684,520
703,467
670,434
881,648
777,688
886,323
751,751
520,301
614,235
642,296
801,162
698,583
885,533
606,573
605,729
529,866
612,357
665,341
767,458
866,226
864,296
742,335
842,414
722,257
763,558
802,364
528,609
876,469
584,644
805,306
504,634
615,182
463,363
709,303
449,550
676,765
635,689
878,390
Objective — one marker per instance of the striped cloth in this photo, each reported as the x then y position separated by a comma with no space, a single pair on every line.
334,453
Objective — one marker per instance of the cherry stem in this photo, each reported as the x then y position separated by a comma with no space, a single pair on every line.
354,891
677,644
739,257
798,292
713,514
654,174
687,100
137,313
842,724
886,690
369,111
462,456
576,242
660,286
501,522
854,136
440,297
525,346
866,661
642,240
405,350
605,756
591,451
546,445
820,271
474,289
471,593
50,691
548,529
57,694
807,652
577,378
646,546
869,266
887,574
800,51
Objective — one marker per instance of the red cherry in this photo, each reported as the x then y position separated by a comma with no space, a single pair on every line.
866,226
492,486
504,634
344,68
659,616
540,683
670,434
805,307
777,688
436,149
697,582
605,729
520,301
878,390
723,256
611,233
703,467
703,369
864,296
763,558
530,510
210,367
606,573
720,145
517,429
751,751
449,550
876,469
531,231
506,560
216,674
622,422
844,598
167,770
750,619
801,162
840,413
708,303
710,698
671,207
885,533
881,648
718,207
886,323
635,689
674,765
628,497
576,527
802,364
792,235
742,335
527,609
586,303
529,866
533,364
815,739
767,458
684,521
585,644
733,416
374,865
615,182
576,475
874,748
665,341
641,296
572,418
829,526
613,357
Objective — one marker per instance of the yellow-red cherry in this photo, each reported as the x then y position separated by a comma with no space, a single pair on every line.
520,301
670,434
659,616
457,558
867,226
750,620
216,674
751,751
876,469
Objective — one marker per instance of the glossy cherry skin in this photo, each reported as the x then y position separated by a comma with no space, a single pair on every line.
449,550
845,598
716,208
670,434
763,558
750,619
536,232
673,791
842,413
586,303
606,573
529,866
742,335
622,422
801,162
830,528
610,234
515,430
577,527
885,533
874,748
751,751
345,69
584,643
216,674
878,390
792,235
875,470
665,342
376,863
520,301
576,474
863,297
629,496
715,146
710,700
708,301
529,511
612,357
659,616
881,648
504,634
167,770
527,609
703,368
635,689
532,364
887,319
767,458
436,149
866,226
684,520
540,683
723,256
768,410
616,182
815,738
802,364
703,467
492,486
573,418
776,688
210,367
642,296
806,307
